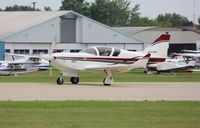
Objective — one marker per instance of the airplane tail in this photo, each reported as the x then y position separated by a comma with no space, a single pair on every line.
159,48
141,63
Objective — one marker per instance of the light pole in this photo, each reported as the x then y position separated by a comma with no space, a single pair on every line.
34,3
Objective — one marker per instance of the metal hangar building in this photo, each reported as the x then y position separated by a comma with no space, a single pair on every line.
182,38
35,32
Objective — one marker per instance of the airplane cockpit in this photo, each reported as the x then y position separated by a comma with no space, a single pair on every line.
102,51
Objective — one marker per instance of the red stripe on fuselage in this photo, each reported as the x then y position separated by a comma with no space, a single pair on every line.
156,60
112,60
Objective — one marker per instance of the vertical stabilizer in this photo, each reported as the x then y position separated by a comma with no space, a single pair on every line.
159,48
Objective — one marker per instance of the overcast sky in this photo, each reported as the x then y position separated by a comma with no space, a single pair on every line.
149,8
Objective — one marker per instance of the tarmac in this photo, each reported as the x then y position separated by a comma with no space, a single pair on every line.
171,91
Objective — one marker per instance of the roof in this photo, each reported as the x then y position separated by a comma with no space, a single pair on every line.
12,22
132,30
149,34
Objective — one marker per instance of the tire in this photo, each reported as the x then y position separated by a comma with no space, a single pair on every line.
74,80
60,81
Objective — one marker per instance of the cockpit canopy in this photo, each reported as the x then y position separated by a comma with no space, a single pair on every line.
102,51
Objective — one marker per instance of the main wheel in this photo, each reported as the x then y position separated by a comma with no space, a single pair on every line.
105,83
74,80
60,81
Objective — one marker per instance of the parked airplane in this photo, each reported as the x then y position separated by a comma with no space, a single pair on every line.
107,59
22,64
35,61
188,55
171,65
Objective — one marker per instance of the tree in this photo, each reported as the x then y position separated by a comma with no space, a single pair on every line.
173,20
20,8
111,12
79,6
47,8
198,26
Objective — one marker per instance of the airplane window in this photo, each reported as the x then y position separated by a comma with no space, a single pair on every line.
90,51
116,52
104,51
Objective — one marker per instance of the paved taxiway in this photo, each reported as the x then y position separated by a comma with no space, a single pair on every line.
91,91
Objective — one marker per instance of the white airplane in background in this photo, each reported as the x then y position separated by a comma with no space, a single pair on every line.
35,61
18,64
188,55
171,65
107,59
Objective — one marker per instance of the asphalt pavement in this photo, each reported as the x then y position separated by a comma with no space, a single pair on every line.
96,91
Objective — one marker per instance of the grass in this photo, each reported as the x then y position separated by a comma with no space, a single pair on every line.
133,76
99,114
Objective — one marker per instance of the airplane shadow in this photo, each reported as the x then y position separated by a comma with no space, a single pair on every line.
93,84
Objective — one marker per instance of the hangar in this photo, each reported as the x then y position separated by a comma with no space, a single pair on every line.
34,32
181,38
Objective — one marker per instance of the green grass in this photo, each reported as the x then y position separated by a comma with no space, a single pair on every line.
133,76
99,114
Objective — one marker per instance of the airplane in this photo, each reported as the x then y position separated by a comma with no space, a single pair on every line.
188,55
19,64
171,65
107,59
35,61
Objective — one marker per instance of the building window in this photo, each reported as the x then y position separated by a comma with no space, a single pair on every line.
132,50
21,51
40,51
59,50
75,50
7,51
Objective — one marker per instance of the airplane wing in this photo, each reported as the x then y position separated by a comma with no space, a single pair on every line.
141,63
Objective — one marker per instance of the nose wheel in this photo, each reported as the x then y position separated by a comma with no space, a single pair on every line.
60,80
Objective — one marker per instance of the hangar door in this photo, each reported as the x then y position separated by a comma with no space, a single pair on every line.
68,30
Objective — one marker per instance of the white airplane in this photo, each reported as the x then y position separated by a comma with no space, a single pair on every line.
18,64
171,65
107,59
35,61
188,55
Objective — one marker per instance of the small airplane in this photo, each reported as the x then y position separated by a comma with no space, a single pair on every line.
171,65
188,55
18,64
35,61
107,59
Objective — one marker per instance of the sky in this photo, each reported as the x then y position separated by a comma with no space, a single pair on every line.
149,8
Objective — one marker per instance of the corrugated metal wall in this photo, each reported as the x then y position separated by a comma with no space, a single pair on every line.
2,50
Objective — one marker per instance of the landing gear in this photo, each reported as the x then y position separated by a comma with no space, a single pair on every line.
60,81
74,80
109,79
